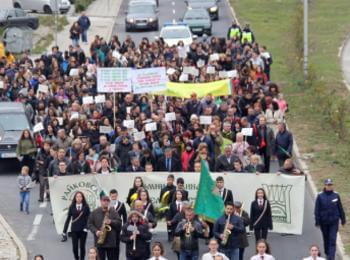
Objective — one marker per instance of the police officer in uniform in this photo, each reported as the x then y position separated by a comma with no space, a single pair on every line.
328,212
247,35
234,32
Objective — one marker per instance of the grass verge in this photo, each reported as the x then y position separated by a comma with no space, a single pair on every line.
319,108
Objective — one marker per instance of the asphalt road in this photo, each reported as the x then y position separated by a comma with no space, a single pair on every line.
38,233
170,10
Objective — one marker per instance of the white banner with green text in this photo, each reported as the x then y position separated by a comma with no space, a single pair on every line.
285,193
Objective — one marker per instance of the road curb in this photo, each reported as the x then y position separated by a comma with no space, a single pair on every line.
23,255
301,164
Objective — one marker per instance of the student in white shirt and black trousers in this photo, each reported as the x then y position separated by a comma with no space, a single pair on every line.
263,251
78,214
260,215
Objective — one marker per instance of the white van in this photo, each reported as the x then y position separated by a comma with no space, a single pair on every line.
46,6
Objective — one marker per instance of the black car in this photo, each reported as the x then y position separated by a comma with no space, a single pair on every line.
141,16
198,20
17,17
210,5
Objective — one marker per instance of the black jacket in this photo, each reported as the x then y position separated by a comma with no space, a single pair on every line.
256,211
166,188
175,165
76,167
79,219
184,195
42,162
95,223
141,240
238,228
121,210
227,196
222,164
132,191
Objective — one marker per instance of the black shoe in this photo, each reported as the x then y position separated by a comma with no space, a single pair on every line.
40,200
21,207
64,238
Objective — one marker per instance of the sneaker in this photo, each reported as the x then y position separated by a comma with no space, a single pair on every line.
21,207
40,200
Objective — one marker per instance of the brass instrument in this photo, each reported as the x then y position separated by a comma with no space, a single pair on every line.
134,239
241,210
104,229
188,229
227,232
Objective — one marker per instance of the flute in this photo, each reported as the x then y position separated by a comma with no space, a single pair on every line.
134,239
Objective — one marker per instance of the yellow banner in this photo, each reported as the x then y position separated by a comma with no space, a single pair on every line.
184,90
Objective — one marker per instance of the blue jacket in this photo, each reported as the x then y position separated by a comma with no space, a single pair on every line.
284,140
84,22
238,228
328,208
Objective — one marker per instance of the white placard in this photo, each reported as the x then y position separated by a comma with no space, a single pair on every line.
1,84
222,74
139,136
38,127
170,71
187,70
149,80
100,99
211,70
182,52
113,80
247,131
183,77
214,57
74,115
105,129
232,74
205,120
74,72
130,124
151,127
43,88
60,120
88,100
200,63
170,116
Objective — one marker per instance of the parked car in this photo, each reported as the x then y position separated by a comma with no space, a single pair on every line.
46,6
11,130
154,2
210,5
17,17
141,15
198,20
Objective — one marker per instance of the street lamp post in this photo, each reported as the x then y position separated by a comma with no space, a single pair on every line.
56,22
306,50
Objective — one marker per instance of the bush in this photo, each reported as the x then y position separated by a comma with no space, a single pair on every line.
82,5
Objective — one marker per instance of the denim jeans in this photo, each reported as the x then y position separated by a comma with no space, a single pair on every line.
75,42
24,195
232,254
84,36
188,255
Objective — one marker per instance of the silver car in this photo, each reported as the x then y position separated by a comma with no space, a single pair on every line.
10,129
46,6
141,16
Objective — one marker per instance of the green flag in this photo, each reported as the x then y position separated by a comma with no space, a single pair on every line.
208,204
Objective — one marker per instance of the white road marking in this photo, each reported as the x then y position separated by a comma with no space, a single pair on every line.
174,21
173,11
173,3
43,204
35,229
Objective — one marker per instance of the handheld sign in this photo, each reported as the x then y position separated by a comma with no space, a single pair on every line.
43,88
247,131
205,120
170,116
38,127
88,100
105,129
130,124
100,99
151,127
139,136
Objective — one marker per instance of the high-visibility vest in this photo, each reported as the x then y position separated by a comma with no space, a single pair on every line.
2,50
234,32
247,36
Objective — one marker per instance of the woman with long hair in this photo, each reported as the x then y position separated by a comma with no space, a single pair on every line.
157,251
263,251
315,253
132,195
260,215
148,207
26,150
78,214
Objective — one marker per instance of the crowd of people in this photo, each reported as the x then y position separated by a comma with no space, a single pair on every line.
72,143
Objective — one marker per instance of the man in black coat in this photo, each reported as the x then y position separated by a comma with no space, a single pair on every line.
224,162
110,217
169,163
135,165
180,185
266,142
226,194
283,144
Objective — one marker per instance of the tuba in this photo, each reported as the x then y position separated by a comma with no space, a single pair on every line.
227,232
104,228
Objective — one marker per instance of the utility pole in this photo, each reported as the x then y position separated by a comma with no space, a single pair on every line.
306,50
56,22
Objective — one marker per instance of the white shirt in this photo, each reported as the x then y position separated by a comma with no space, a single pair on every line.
260,202
178,204
266,257
79,206
209,256
160,258
317,258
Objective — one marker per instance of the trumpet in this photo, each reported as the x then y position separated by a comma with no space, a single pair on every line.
105,228
227,232
134,239
188,229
